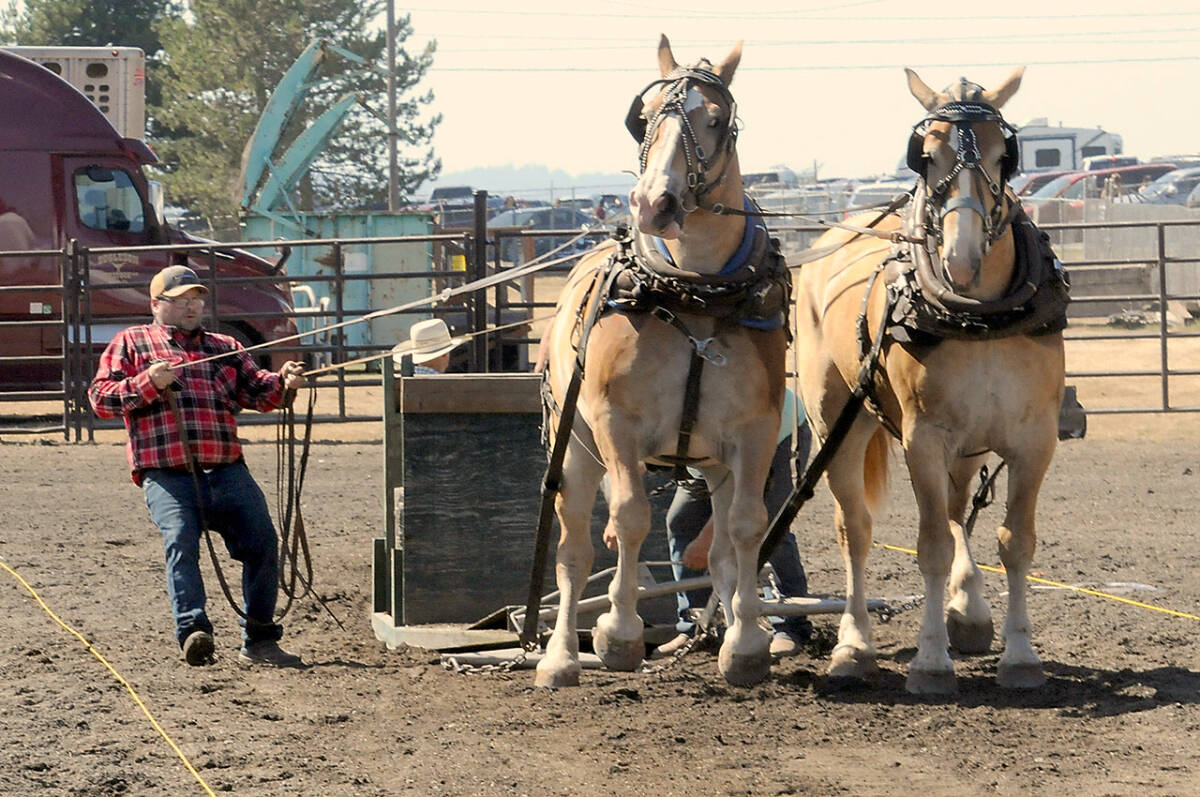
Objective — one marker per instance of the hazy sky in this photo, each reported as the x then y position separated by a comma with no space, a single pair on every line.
539,82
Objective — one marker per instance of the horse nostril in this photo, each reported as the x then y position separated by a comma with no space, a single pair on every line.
666,205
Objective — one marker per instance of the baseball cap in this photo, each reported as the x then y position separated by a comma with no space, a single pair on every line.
174,281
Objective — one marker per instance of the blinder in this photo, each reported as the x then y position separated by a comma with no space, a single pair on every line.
957,112
637,123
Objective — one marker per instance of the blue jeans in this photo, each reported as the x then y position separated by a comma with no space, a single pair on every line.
234,507
688,514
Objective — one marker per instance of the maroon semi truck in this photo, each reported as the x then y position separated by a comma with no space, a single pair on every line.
67,174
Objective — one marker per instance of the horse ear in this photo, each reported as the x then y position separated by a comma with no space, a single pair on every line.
726,68
666,59
1003,93
928,98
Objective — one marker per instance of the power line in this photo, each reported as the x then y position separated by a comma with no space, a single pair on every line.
796,15
1079,38
831,67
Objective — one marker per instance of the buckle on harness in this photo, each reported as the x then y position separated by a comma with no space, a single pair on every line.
715,357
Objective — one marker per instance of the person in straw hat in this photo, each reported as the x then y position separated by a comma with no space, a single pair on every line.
430,345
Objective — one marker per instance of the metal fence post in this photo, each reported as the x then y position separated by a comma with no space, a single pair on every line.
479,349
1162,315
68,316
339,284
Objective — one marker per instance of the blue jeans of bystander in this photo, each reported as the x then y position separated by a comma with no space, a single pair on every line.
233,506
688,514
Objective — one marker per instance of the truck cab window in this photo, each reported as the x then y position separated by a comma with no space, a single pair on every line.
107,200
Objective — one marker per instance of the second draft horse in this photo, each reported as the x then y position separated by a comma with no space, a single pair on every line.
970,307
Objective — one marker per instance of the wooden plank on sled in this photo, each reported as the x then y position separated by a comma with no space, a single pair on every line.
439,636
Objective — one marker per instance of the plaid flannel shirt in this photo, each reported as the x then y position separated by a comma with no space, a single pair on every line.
208,395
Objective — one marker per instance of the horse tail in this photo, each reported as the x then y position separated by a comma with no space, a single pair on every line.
875,471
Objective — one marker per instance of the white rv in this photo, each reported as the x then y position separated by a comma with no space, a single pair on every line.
1047,147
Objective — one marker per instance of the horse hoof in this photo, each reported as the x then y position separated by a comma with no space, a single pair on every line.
552,676
743,670
927,682
968,637
852,664
1020,676
624,655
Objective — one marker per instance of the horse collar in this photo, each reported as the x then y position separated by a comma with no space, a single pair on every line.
739,257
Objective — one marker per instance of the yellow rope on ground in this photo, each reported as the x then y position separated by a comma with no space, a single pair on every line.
1082,590
116,675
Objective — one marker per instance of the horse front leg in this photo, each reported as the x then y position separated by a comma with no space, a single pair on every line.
968,616
617,636
1020,667
573,563
932,670
854,656
741,524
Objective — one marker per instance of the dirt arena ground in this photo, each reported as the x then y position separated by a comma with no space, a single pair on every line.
1119,715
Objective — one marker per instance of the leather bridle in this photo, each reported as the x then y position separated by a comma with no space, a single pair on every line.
673,101
938,202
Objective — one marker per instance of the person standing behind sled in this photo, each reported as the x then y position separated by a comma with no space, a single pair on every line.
431,346
135,374
689,535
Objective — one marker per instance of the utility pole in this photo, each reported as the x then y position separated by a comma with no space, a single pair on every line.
393,162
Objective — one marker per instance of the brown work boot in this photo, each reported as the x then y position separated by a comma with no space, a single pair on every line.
198,648
784,644
670,647
268,653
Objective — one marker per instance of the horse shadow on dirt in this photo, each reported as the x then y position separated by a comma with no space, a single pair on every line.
1077,691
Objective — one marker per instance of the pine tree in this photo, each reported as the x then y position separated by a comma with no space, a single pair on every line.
226,57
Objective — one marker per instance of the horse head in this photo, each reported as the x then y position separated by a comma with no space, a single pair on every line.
686,125
964,152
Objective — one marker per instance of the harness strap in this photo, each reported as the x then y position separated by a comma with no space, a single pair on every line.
691,406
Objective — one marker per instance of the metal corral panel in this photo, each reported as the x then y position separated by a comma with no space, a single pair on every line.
464,463
357,259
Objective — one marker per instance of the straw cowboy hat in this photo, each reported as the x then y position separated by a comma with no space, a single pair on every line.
429,340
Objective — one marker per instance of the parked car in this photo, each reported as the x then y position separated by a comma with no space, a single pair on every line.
566,219
1172,188
876,194
1193,199
1078,186
1026,184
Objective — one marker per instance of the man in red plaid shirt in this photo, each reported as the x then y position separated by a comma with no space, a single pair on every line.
138,369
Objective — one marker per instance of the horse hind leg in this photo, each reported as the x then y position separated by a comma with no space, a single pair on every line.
1020,667
581,478
968,616
617,636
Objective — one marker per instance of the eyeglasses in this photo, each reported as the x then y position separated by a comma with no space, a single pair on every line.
197,301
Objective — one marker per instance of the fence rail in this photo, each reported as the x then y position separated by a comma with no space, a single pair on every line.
1154,266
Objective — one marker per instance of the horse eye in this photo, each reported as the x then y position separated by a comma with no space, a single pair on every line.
714,122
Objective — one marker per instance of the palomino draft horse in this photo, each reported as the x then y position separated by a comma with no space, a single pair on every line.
683,366
970,307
